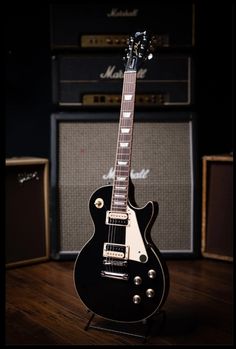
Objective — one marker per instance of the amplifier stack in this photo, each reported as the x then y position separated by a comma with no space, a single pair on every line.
88,43
87,47
82,79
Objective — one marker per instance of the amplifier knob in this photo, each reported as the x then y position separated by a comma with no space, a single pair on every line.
136,299
150,293
151,273
118,99
137,280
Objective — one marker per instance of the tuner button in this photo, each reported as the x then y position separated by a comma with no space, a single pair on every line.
137,280
136,299
151,274
150,293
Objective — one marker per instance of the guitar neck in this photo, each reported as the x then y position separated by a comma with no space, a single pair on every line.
124,144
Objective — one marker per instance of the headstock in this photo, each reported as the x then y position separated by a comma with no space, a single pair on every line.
138,50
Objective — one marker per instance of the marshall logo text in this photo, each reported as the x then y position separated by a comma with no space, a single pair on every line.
112,73
115,12
134,175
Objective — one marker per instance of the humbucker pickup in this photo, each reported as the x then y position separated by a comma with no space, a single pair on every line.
117,218
115,251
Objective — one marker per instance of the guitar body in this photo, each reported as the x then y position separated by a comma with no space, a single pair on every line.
119,274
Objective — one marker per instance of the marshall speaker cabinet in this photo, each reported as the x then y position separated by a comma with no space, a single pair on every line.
217,207
163,169
27,214
90,26
96,80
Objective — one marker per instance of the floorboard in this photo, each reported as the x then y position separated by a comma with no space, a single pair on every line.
42,307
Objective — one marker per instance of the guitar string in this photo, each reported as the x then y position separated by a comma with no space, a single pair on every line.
112,231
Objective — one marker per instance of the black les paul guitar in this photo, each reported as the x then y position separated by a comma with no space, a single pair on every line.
120,274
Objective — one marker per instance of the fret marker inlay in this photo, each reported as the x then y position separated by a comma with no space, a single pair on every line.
124,145
119,203
125,130
122,163
126,114
128,97
120,188
121,179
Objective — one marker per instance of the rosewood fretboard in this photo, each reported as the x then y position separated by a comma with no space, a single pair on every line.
124,144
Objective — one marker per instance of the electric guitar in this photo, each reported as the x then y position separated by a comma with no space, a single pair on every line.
119,273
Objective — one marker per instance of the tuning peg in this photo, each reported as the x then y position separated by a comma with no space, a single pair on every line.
137,34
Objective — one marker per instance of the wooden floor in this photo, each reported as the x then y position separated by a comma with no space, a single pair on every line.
42,307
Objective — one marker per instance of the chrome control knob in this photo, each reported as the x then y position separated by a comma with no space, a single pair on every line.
150,293
137,280
152,273
136,299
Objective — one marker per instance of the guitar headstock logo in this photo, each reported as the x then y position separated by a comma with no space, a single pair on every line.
139,50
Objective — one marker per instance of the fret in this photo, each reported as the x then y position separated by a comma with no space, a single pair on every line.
127,105
122,168
123,151
125,124
123,173
124,139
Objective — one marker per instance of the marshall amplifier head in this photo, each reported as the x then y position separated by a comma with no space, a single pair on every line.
163,169
88,80
107,26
